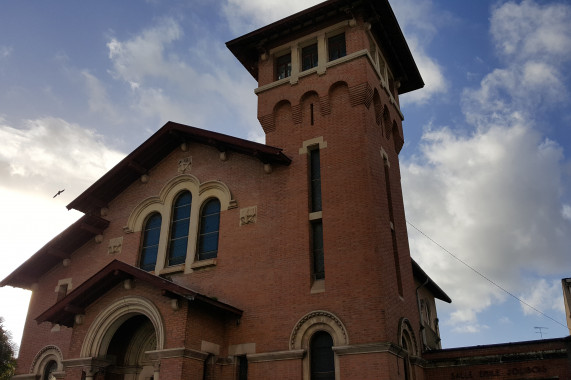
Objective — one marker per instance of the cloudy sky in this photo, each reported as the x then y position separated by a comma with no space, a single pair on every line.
485,166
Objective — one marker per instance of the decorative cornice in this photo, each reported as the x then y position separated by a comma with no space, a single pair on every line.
496,359
86,362
180,352
368,348
275,356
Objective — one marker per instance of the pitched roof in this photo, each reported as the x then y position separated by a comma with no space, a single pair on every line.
379,14
157,147
64,311
423,278
59,248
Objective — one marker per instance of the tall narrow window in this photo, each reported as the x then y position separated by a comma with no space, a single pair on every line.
209,226
315,179
179,229
309,57
150,245
393,233
322,357
317,249
336,45
283,66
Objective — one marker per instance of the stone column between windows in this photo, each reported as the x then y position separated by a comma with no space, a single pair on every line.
295,63
321,54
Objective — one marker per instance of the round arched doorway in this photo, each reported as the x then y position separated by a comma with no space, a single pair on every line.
120,335
127,347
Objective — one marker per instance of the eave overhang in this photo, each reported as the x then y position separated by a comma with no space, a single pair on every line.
157,147
421,276
378,13
53,253
116,272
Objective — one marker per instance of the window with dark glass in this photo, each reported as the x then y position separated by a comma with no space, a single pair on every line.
322,360
283,66
209,226
309,57
49,370
315,179
180,224
150,245
242,367
336,45
317,249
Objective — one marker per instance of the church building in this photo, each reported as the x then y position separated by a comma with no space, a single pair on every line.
206,256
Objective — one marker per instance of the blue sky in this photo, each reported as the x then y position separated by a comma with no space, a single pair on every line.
485,167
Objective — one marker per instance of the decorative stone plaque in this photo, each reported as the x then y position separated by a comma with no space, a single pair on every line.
248,215
184,165
115,245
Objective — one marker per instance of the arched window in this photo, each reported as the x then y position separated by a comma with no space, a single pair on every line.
150,245
209,226
49,370
180,224
406,347
322,358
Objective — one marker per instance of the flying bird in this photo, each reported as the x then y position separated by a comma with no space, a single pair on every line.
59,192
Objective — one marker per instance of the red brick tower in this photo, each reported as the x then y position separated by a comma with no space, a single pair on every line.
328,85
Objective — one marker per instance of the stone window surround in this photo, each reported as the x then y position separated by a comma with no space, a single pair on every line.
376,59
295,47
309,324
162,204
42,359
317,285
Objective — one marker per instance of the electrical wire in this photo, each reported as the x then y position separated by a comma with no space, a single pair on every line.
484,276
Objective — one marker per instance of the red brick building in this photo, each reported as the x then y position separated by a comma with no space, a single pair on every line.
204,256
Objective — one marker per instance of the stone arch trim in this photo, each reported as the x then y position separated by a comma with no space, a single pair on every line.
162,202
105,325
44,356
404,325
319,320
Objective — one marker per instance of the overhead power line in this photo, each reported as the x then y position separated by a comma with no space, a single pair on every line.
485,277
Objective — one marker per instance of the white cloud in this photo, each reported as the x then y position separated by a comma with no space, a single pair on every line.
5,51
523,31
98,98
49,154
431,72
246,15
419,22
36,161
494,197
143,55
543,295
189,89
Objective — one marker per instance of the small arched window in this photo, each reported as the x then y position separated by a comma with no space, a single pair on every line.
180,224
150,245
209,226
49,370
322,358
